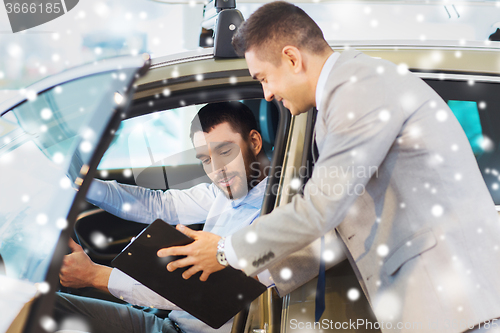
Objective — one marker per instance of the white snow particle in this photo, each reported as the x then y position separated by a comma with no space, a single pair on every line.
420,18
143,15
458,176
380,69
437,210
402,205
43,287
58,158
199,77
382,250
65,183
56,57
98,239
122,76
479,230
353,294
350,115
286,273
104,173
43,128
233,80
494,186
482,105
166,92
41,219
402,69
243,263
31,95
384,115
85,146
126,207
25,198
2,75
61,223
374,23
127,173
454,147
295,183
441,115
175,73
48,323
251,237
46,114
471,82
487,144
387,306
460,309
328,255
378,283
458,54
14,50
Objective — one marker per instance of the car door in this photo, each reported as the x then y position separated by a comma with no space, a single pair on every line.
51,139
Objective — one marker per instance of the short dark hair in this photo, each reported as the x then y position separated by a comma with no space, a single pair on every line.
276,25
237,114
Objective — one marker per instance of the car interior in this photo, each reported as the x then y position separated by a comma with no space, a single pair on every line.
165,136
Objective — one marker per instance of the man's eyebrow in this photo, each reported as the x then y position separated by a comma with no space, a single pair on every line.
220,145
223,144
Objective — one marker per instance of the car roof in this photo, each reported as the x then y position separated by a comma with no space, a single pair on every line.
109,64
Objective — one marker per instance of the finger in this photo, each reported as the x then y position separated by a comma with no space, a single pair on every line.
204,276
74,246
172,266
186,231
173,251
190,272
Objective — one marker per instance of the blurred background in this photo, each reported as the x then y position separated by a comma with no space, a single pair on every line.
97,29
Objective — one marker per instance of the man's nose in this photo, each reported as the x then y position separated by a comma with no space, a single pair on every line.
268,95
219,164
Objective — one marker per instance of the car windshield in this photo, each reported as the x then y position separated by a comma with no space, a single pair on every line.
46,144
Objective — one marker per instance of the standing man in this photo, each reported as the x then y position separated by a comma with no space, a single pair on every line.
411,207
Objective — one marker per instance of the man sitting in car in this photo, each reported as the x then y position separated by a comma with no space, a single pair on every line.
229,146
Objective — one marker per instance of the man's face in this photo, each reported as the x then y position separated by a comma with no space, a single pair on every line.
227,160
279,82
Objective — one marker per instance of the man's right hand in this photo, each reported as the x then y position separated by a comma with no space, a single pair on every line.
78,271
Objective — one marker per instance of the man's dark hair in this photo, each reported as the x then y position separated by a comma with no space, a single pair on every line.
276,25
237,114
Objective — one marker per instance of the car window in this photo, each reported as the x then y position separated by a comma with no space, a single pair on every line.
46,143
475,105
155,150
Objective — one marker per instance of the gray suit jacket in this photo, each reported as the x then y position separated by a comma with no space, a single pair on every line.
398,180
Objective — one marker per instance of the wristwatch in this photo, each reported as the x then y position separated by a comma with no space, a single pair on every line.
221,255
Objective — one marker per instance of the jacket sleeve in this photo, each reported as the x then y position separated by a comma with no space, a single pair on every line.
362,119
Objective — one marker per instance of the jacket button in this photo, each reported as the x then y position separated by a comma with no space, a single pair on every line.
254,264
271,255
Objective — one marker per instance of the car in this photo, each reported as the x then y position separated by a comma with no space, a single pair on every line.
127,119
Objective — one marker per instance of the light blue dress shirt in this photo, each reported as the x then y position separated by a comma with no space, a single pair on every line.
203,203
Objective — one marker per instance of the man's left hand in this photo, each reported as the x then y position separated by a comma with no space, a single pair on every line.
200,254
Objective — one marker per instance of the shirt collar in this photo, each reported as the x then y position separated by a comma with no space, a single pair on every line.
323,76
254,197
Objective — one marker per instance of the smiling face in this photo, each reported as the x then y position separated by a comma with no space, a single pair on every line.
227,159
285,82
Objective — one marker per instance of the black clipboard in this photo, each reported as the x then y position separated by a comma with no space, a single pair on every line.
214,302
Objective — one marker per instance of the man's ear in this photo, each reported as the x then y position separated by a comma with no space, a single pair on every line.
255,141
293,58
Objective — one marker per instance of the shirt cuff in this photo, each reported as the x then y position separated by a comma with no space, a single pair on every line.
120,284
231,257
266,279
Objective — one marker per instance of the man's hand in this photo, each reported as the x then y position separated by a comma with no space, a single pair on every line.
200,254
78,271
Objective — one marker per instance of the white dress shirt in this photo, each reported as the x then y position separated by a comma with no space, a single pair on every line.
203,203
231,257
